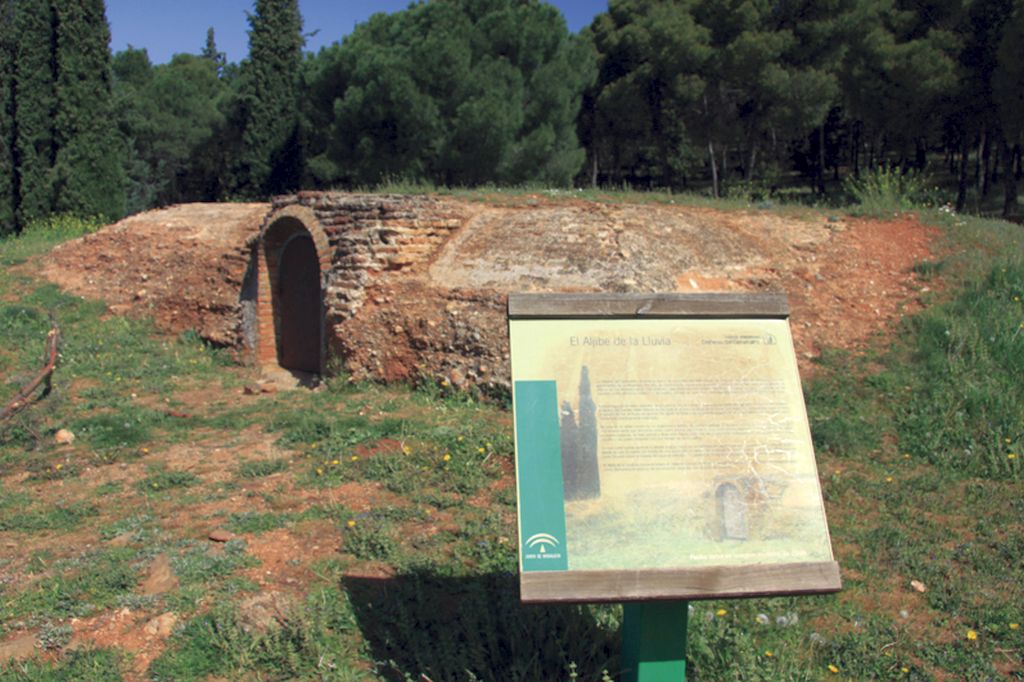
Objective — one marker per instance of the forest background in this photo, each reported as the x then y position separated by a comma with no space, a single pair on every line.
749,98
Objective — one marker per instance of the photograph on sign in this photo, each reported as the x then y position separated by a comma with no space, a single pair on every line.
662,444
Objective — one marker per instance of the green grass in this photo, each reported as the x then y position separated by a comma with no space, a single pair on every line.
257,522
161,480
950,391
920,444
76,587
97,665
318,641
18,512
260,468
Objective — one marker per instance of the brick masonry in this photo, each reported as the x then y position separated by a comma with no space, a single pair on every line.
357,237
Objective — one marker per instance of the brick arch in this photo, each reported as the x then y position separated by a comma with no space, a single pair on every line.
279,230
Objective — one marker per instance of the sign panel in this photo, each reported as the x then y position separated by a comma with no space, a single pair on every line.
665,457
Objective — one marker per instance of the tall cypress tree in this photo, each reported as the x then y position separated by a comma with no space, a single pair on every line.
270,157
34,107
88,175
7,189
210,51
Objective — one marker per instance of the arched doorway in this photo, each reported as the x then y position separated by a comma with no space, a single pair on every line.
299,305
293,256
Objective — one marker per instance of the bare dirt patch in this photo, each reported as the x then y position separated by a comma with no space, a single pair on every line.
183,266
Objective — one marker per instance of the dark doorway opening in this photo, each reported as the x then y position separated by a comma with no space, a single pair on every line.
299,306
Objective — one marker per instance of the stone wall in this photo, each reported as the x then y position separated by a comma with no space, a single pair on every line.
360,237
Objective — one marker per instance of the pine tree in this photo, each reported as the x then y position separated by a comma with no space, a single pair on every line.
7,189
88,175
271,157
457,93
34,107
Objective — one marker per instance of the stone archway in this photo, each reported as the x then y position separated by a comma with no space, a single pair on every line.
298,300
293,253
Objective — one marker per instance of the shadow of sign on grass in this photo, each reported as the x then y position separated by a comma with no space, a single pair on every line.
475,628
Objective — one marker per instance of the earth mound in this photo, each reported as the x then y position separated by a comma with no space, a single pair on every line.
443,318
182,265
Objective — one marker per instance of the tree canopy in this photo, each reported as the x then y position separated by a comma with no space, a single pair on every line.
725,96
456,93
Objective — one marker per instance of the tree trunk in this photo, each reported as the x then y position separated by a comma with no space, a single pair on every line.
856,150
821,158
749,174
714,169
986,166
1009,180
961,188
977,159
593,170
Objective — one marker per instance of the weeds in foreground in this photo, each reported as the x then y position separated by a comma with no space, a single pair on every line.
316,640
102,665
887,191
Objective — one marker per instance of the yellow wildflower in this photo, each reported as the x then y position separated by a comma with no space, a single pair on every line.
447,457
351,523
481,450
354,458
832,669
904,670
1014,626
406,450
335,462
1012,455
721,612
768,654
59,467
888,479
972,635
319,471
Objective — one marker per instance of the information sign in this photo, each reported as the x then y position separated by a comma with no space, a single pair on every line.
663,450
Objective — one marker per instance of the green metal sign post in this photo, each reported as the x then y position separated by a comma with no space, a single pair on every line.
654,641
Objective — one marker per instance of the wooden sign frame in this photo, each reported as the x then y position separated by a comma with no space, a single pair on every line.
534,417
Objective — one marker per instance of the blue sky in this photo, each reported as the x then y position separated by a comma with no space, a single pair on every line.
167,27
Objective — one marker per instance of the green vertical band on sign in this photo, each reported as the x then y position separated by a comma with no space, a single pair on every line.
539,467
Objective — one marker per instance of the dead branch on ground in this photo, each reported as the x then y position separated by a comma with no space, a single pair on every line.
21,399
